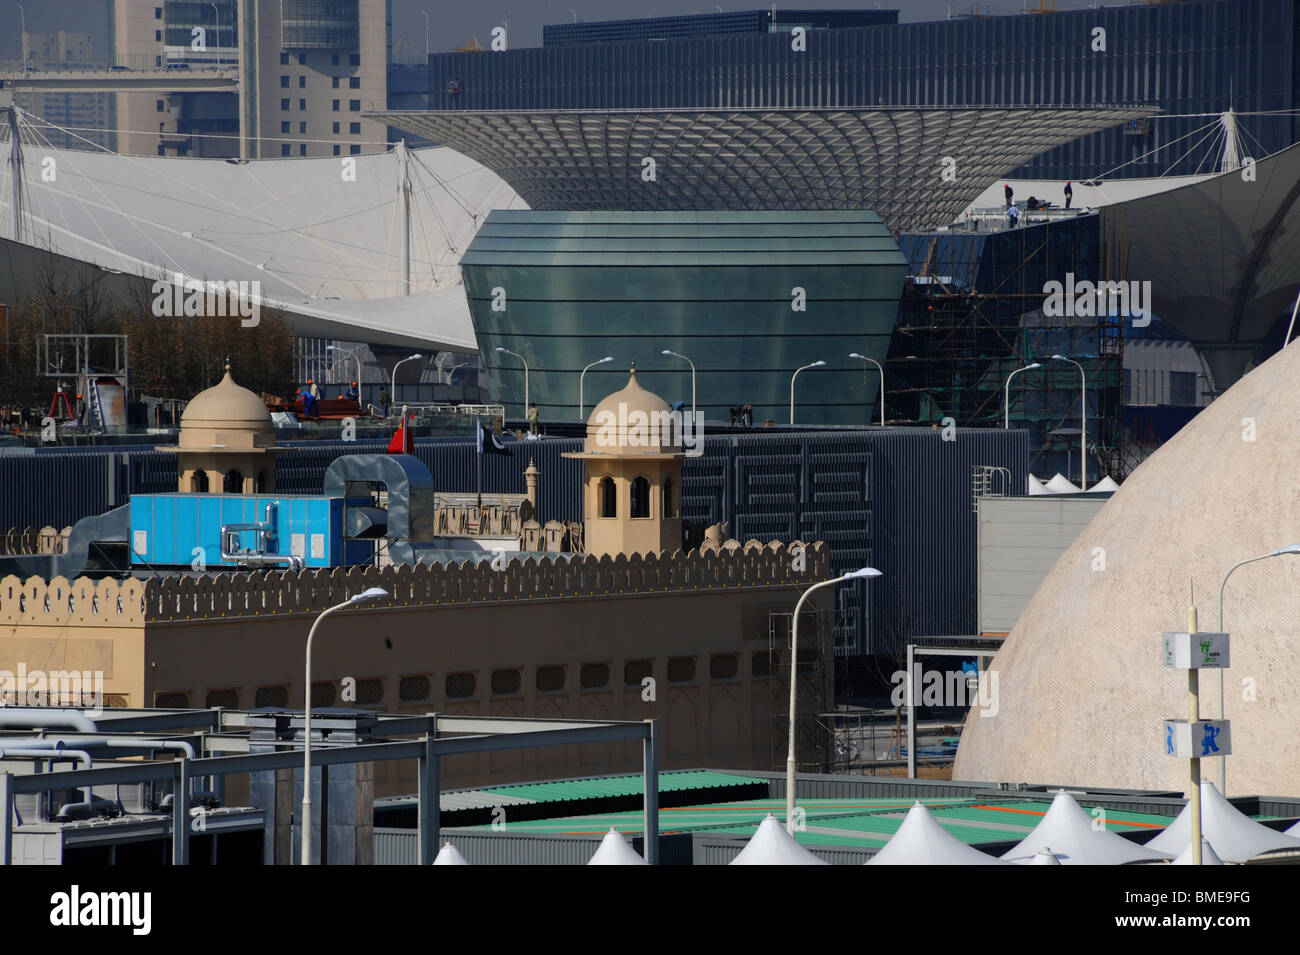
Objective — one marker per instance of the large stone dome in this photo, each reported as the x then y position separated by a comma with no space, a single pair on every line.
226,415
1081,688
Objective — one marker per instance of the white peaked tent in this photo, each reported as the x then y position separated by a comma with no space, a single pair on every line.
920,840
1105,484
1045,856
1036,486
1069,831
772,845
1208,855
614,850
449,855
1060,484
1234,835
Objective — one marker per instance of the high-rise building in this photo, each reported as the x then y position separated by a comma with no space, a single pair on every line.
82,118
308,70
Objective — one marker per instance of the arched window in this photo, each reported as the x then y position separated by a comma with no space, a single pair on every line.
199,482
608,497
670,505
640,497
234,482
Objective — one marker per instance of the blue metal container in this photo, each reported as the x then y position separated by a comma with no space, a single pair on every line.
170,530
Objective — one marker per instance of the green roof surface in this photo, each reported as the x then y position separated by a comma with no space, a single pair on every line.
613,786
862,822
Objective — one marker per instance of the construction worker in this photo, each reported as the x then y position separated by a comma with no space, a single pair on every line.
354,393
1008,192
81,410
532,417
1013,215
1069,193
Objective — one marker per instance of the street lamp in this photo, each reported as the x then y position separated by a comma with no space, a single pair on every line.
353,353
1223,699
369,594
794,672
1006,414
581,405
1083,423
454,369
216,40
507,351
816,364
666,351
882,384
426,33
392,395
22,14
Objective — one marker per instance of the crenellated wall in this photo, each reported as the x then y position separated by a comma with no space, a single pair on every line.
685,639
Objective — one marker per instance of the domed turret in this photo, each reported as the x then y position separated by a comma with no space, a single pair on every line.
226,442
633,474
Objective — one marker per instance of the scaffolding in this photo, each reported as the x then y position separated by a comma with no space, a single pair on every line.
815,693
972,313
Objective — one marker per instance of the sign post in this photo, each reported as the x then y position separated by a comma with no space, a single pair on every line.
1193,738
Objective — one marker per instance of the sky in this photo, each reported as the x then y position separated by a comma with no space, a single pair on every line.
453,23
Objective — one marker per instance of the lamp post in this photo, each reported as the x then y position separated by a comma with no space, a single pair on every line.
426,34
216,41
353,353
22,15
369,594
507,351
1006,404
882,383
794,673
667,351
581,379
454,369
816,364
1083,422
1223,699
392,395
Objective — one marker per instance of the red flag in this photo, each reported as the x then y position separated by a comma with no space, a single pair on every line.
403,441
398,444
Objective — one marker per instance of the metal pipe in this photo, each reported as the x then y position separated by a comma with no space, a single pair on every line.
265,529
53,752
35,717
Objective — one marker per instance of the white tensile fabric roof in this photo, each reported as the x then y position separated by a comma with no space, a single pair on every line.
772,845
323,245
1060,484
449,855
614,850
1234,835
920,840
1067,832
1208,855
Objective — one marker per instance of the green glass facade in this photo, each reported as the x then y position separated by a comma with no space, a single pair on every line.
565,289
